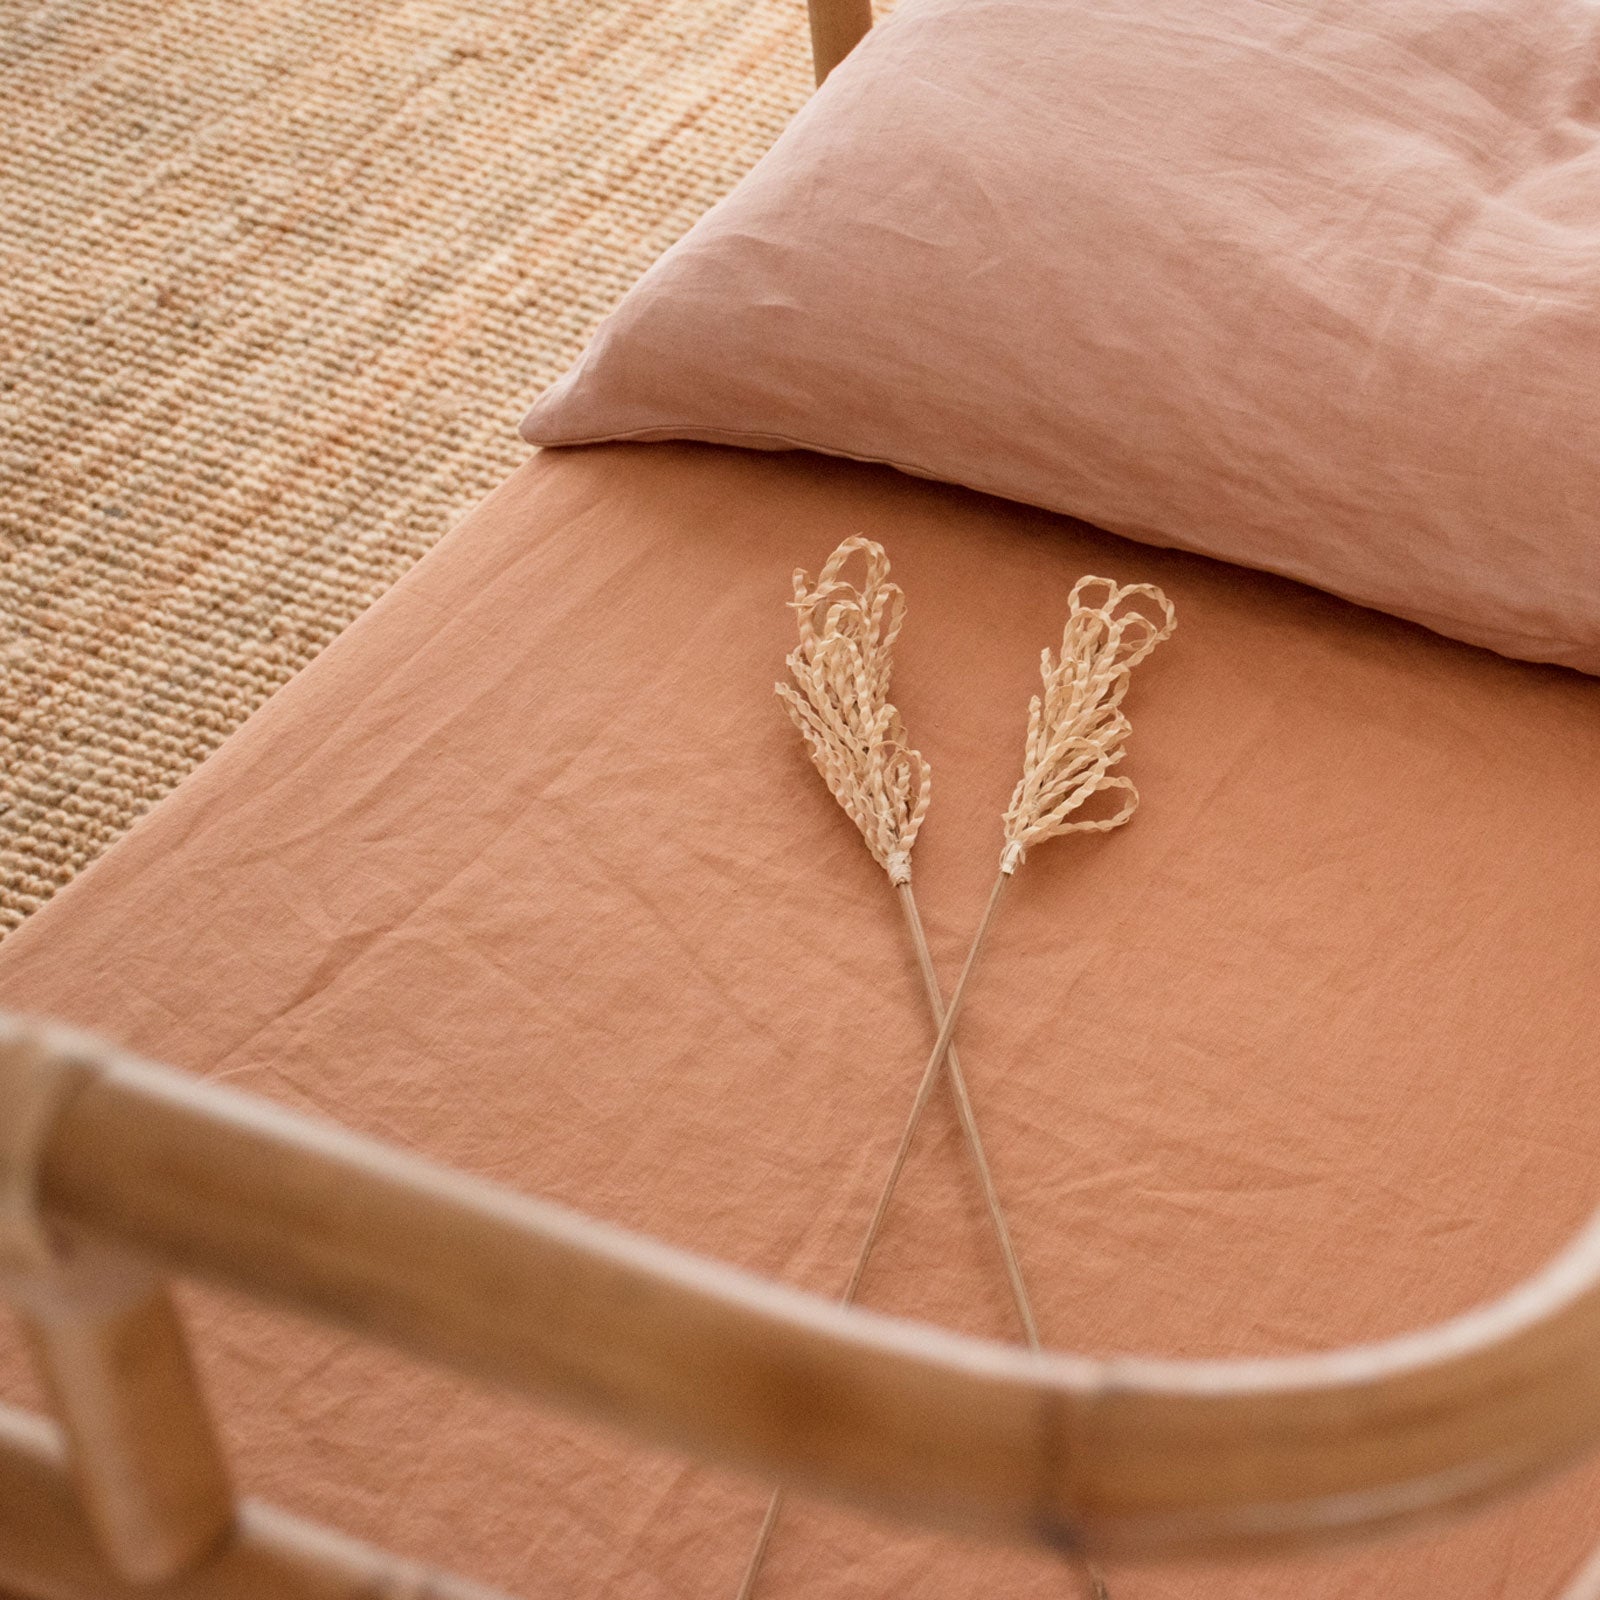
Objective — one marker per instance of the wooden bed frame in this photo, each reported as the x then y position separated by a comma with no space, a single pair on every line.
837,27
115,1174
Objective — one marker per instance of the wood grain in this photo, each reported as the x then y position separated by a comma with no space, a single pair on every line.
47,1550
143,1451
106,1339
837,27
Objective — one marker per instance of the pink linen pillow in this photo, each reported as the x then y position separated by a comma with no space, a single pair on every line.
1310,285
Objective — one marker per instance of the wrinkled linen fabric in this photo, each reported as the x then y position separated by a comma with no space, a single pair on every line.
1310,286
530,873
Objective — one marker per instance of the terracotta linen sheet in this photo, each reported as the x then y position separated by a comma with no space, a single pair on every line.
529,872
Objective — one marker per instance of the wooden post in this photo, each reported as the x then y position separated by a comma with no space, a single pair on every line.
109,1346
49,1552
837,27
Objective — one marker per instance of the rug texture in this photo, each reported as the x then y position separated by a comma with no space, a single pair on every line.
277,279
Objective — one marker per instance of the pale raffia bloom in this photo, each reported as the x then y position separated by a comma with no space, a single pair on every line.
1076,728
840,702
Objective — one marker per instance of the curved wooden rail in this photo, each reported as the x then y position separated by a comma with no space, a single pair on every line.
1125,1457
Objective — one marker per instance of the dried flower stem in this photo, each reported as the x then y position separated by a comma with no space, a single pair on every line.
856,739
967,1118
840,704
1076,734
946,1053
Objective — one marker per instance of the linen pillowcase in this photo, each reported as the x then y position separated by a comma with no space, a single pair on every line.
1310,285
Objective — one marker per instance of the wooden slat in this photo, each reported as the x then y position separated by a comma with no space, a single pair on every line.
1123,1457
107,1340
48,1551
146,1459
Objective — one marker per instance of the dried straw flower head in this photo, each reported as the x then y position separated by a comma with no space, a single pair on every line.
1076,728
840,702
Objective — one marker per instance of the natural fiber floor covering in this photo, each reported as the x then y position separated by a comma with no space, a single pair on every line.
276,279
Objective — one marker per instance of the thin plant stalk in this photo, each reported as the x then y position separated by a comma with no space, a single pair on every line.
1076,734
839,704
952,1013
943,1020
945,1053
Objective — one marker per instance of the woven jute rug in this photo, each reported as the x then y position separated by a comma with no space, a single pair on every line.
277,278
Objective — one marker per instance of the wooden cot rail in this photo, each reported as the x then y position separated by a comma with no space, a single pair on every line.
837,27
1130,1457
47,1548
